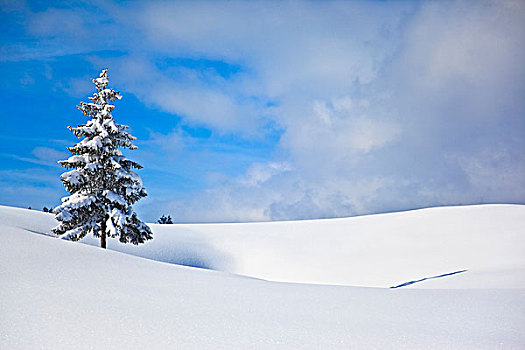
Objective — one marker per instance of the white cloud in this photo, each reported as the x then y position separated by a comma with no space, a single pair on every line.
372,101
498,174
258,173
49,155
200,99
467,54
42,156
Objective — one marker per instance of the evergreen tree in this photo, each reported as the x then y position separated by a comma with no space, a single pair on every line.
101,183
165,220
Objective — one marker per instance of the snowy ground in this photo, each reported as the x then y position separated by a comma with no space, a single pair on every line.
56,294
372,251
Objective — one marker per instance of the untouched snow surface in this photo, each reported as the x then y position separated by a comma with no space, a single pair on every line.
372,251
57,294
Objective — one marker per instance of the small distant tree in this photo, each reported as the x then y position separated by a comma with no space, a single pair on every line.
47,210
102,185
165,220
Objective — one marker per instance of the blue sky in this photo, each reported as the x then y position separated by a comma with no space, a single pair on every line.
273,110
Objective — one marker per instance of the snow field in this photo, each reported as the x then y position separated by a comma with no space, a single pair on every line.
57,294
372,251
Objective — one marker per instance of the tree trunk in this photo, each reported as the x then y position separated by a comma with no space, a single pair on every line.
103,234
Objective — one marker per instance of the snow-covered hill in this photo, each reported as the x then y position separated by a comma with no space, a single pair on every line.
373,251
56,294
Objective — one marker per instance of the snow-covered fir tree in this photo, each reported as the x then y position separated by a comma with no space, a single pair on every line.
102,184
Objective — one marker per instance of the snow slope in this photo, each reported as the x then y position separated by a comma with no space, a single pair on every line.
57,294
374,251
